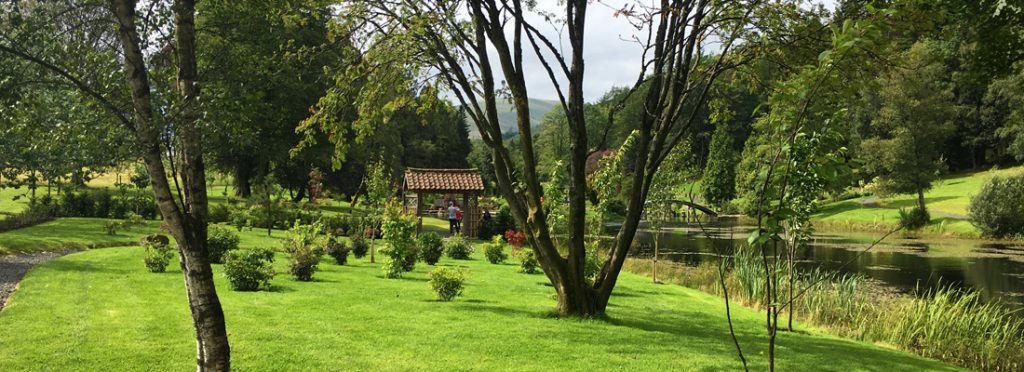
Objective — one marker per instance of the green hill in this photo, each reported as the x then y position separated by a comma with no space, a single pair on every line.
947,201
507,115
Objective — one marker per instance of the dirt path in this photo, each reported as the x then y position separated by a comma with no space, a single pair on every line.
14,267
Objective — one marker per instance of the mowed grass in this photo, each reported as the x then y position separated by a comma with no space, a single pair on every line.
948,201
101,310
81,233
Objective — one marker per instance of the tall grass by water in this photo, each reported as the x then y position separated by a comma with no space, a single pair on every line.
949,324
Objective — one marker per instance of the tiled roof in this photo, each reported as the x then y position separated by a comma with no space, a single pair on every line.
443,179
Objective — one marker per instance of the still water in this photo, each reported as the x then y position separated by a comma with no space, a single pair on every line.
995,269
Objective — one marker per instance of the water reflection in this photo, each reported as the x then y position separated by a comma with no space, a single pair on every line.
997,270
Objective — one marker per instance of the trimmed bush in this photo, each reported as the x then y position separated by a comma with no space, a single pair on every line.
338,249
998,209
219,241
458,248
528,262
431,248
158,252
446,282
304,247
249,269
495,251
360,246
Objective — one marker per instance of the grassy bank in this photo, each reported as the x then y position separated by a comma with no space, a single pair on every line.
951,325
947,201
101,310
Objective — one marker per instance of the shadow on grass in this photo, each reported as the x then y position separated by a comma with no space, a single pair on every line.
87,267
911,203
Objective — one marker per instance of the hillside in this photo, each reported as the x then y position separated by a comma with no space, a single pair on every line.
947,201
507,115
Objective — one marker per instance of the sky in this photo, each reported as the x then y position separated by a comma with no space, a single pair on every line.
611,57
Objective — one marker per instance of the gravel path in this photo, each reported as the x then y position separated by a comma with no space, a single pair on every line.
14,267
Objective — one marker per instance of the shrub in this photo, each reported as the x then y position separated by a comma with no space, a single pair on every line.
446,282
132,219
515,238
303,245
998,209
219,241
458,248
220,213
249,269
111,227
914,219
495,251
359,246
158,252
528,262
338,249
431,248
34,215
103,203
500,222
400,253
594,261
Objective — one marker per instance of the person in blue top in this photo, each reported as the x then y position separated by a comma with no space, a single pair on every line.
453,221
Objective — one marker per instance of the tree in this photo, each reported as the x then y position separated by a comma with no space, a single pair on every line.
184,213
469,46
264,64
914,120
718,185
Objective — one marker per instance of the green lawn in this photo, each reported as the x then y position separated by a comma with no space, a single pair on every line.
101,310
947,201
10,206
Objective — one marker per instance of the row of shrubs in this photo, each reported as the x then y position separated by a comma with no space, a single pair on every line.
252,269
284,215
98,203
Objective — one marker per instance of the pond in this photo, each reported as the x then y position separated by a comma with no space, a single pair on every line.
995,269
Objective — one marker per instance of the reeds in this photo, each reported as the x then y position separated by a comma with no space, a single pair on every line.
949,324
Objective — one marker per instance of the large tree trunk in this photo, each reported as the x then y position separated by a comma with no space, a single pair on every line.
243,179
187,223
920,199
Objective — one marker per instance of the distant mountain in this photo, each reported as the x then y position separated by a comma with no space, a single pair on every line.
507,115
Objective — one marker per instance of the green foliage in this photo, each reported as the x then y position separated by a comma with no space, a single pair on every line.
111,227
158,253
912,123
338,250
718,184
249,269
399,232
220,213
998,209
447,282
220,241
304,244
528,262
500,223
431,248
495,250
360,247
595,260
457,247
914,219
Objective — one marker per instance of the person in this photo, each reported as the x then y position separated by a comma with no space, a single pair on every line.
453,222
487,216
458,220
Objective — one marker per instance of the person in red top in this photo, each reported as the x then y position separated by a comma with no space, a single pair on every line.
458,220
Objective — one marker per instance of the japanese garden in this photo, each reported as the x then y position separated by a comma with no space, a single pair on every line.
511,185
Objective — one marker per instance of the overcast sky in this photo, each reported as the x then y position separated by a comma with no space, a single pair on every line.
611,59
